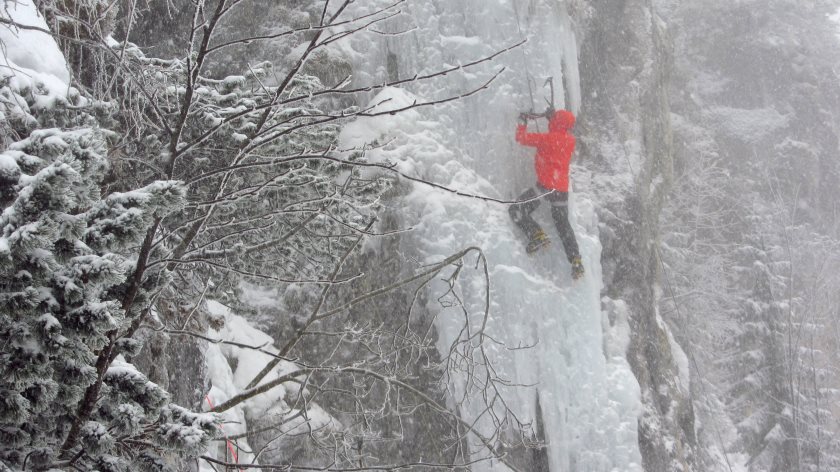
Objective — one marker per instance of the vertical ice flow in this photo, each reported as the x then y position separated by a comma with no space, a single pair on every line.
589,397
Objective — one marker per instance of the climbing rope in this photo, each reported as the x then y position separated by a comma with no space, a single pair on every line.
230,444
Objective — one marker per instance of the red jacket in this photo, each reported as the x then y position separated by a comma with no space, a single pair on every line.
554,150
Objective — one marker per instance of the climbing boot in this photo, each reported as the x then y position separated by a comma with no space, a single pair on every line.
538,240
577,268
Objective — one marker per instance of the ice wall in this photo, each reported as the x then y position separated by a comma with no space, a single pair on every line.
453,32
589,397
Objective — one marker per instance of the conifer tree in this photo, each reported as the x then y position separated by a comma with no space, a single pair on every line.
65,255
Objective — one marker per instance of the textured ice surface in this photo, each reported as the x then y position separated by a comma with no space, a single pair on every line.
589,397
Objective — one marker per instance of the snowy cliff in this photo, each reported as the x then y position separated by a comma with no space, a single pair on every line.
558,347
608,372
331,272
581,382
611,64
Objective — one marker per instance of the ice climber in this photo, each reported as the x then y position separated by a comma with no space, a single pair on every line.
554,153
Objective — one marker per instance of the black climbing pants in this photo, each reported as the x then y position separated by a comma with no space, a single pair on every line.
521,215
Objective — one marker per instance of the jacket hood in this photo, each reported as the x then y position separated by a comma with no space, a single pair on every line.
562,120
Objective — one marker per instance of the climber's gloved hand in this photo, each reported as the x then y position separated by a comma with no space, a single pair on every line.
523,118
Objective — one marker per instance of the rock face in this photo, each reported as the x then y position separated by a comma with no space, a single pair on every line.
626,63
733,101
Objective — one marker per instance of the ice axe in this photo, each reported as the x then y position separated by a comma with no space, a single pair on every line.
549,112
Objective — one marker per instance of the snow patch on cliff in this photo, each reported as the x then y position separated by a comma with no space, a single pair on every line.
231,366
31,59
30,52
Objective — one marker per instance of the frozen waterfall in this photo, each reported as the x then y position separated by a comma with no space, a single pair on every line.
588,396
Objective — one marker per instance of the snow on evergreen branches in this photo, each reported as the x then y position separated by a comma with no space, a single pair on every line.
181,429
65,251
